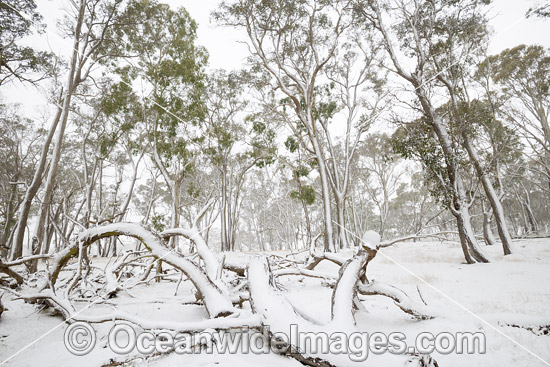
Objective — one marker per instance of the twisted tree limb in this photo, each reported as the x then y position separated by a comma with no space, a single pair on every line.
217,302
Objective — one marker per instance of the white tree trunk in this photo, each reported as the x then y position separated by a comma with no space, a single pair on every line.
491,194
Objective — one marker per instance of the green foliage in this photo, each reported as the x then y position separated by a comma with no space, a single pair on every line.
124,115
161,44
234,134
263,148
306,193
302,171
522,68
193,190
291,144
416,141
18,19
326,105
540,11
119,98
158,222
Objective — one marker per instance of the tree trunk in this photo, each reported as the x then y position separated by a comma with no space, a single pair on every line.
342,235
491,194
38,236
24,209
487,232
530,215
470,247
135,166
175,218
223,209
325,191
459,206
9,215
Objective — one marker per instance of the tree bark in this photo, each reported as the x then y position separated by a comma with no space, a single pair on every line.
492,196
24,209
487,231
72,82
459,206
325,191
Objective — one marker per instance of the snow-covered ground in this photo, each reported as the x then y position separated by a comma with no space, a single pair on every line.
513,289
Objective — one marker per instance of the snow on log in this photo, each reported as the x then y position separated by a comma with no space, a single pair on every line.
401,299
193,234
220,323
315,260
371,240
112,285
346,289
215,300
304,272
237,266
4,268
278,314
65,308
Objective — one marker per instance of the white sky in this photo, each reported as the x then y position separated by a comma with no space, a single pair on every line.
511,28
508,20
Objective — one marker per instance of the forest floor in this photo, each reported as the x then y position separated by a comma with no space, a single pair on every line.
513,289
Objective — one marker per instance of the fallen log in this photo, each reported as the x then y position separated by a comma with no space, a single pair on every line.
217,302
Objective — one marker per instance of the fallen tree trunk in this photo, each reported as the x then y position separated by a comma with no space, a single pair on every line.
210,261
217,302
280,318
4,268
270,308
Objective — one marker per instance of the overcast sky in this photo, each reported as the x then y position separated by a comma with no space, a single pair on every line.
511,28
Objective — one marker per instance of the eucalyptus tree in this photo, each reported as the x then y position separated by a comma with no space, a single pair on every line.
431,46
17,61
273,213
413,208
469,116
381,174
87,25
18,146
111,137
301,164
522,78
353,100
150,199
313,59
162,55
237,140
124,131
527,202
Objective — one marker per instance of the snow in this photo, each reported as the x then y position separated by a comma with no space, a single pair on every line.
216,300
210,260
345,290
513,289
371,239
